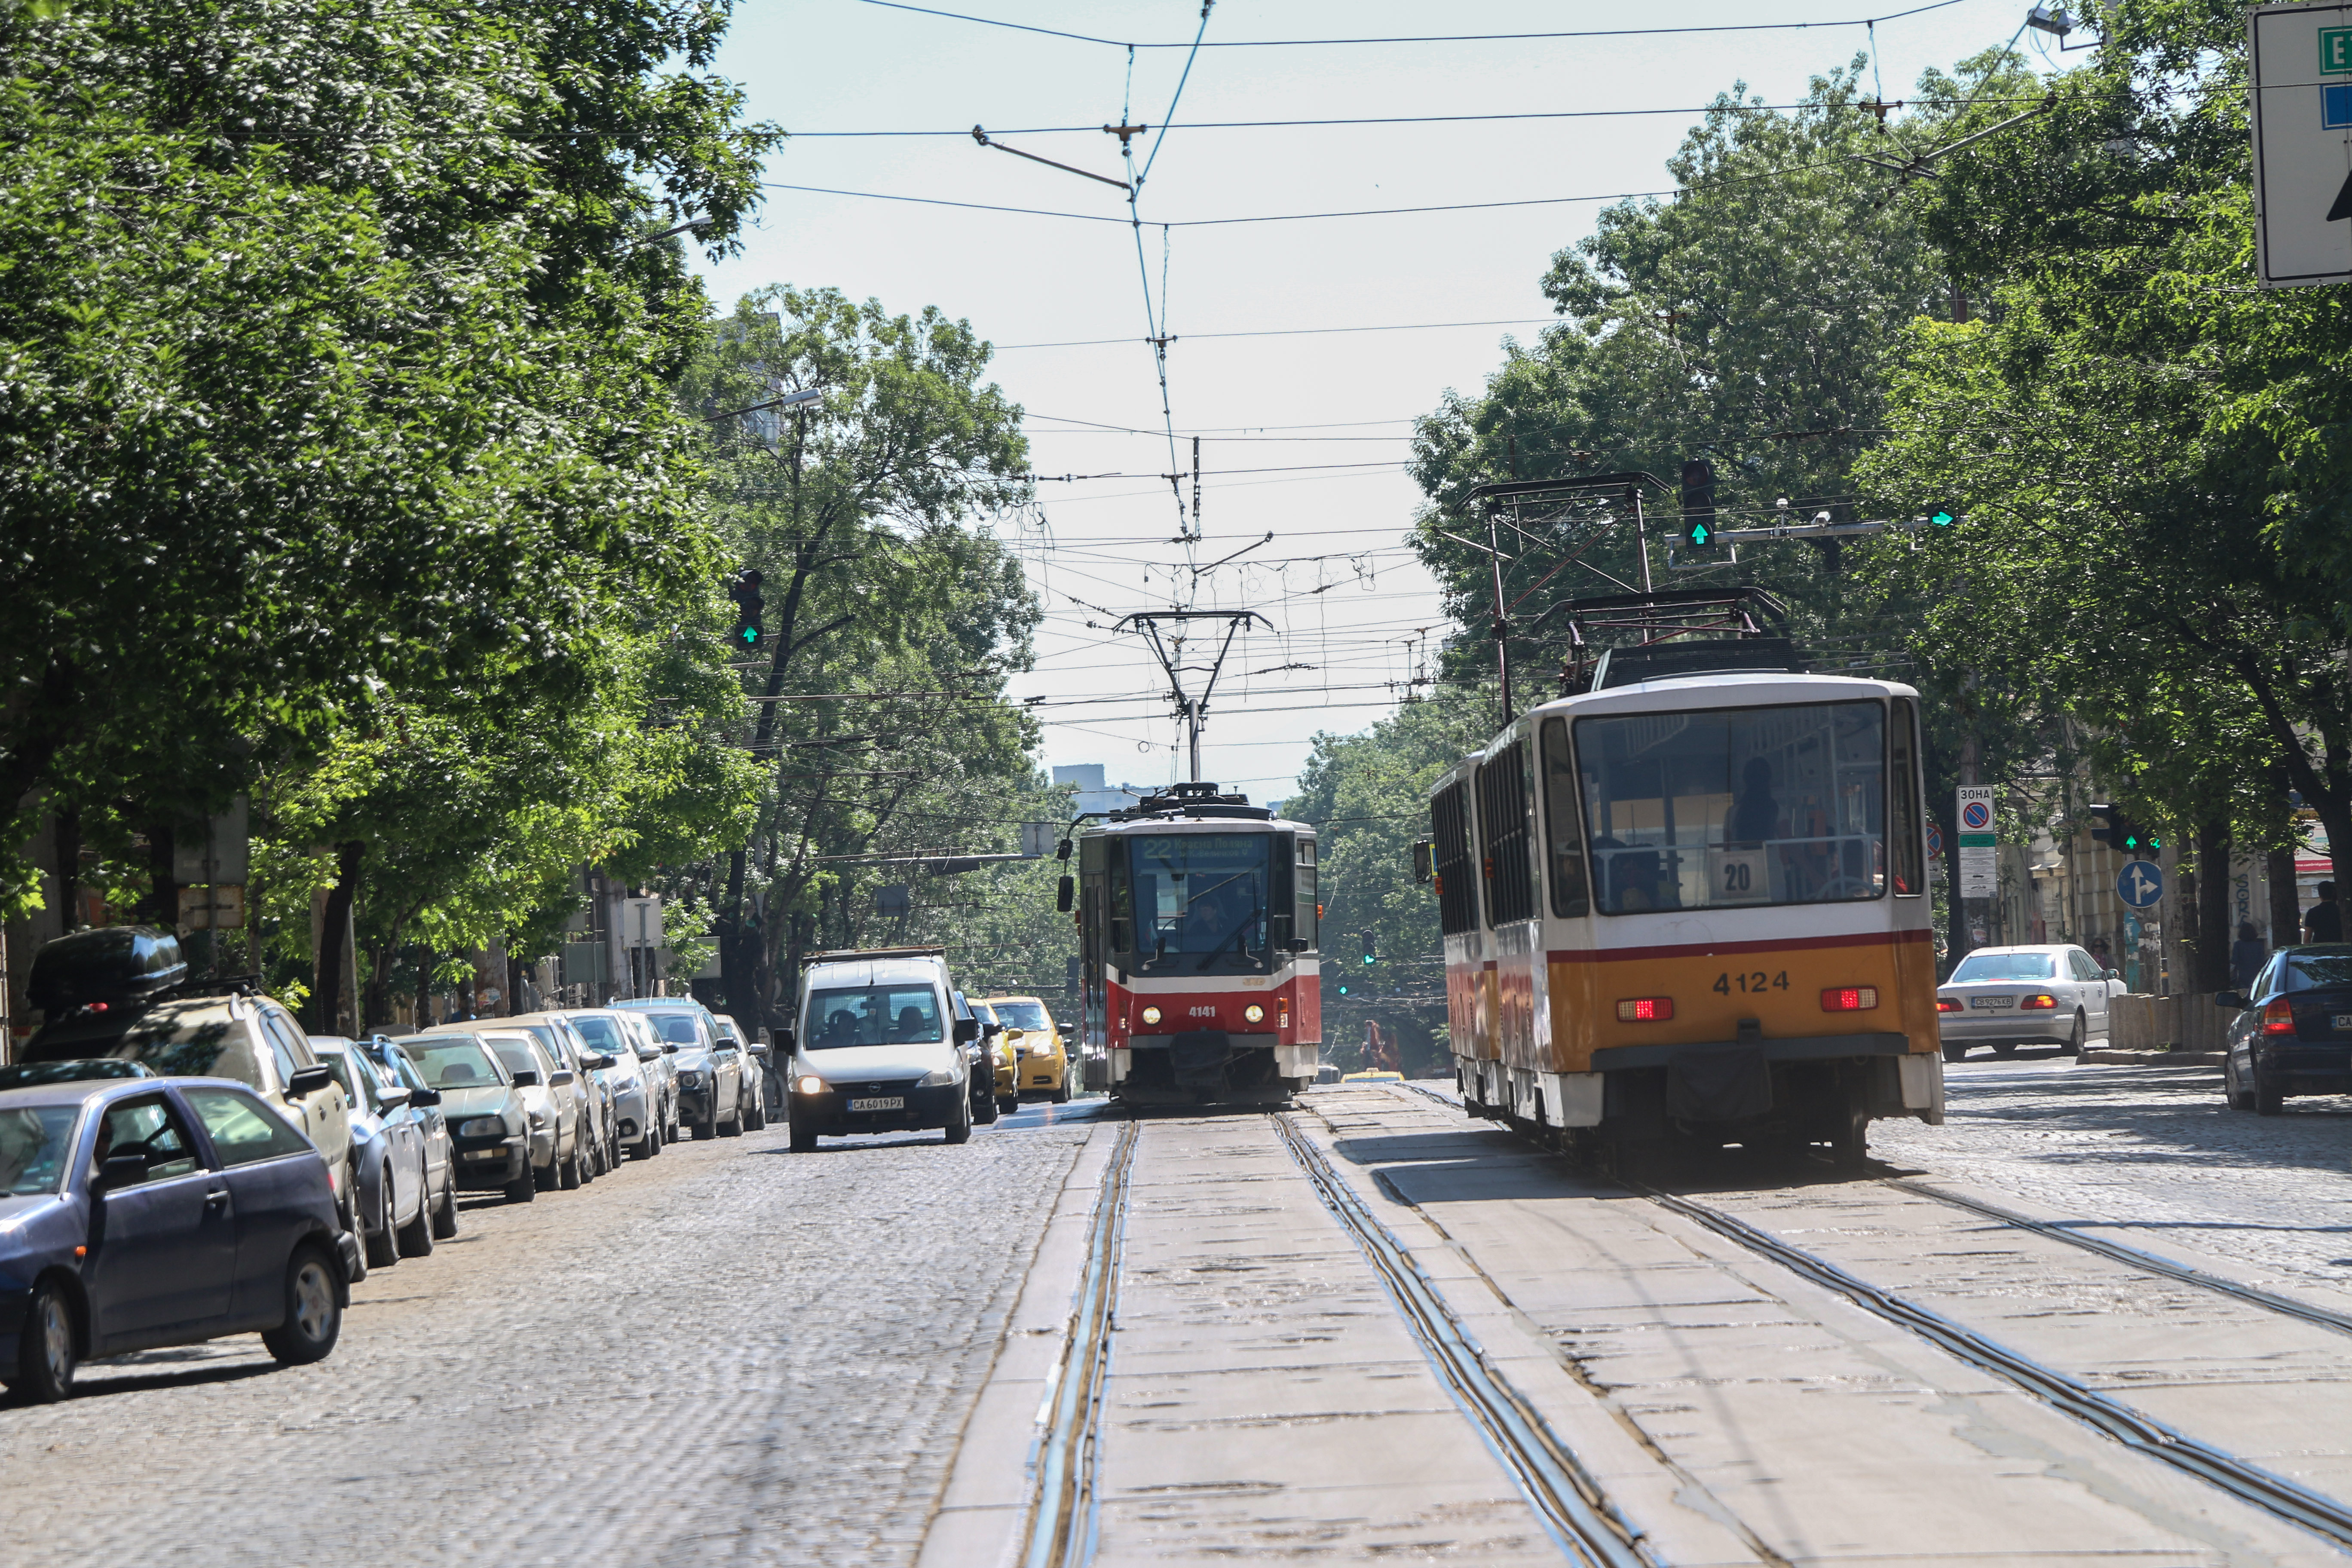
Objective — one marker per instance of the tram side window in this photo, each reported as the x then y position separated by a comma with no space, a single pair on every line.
1905,854
1570,895
1457,884
1503,826
1307,921
1729,807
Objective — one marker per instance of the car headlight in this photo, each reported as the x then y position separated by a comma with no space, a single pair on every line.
808,1084
1151,1014
1254,1013
483,1127
935,1078
689,1078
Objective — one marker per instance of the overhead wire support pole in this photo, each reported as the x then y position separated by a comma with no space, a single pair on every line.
1502,611
982,137
1193,710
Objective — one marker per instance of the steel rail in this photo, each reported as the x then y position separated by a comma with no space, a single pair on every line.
1061,1526
1564,1495
2273,1494
2132,1258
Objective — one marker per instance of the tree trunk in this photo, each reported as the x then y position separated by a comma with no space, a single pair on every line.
2215,932
424,987
2286,908
326,999
68,845
163,906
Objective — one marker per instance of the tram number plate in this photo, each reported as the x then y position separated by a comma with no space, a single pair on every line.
1753,981
1738,877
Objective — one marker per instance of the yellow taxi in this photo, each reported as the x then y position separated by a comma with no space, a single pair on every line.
1042,1067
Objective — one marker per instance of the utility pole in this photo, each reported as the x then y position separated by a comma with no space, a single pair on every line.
1193,710
1502,617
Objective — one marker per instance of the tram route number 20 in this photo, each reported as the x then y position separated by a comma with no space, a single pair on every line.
1754,980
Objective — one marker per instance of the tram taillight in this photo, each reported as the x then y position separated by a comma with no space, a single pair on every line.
1850,999
1646,1009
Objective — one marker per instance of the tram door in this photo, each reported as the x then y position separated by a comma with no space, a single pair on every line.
1094,1001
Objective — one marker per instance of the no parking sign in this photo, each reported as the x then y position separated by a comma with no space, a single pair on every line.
1979,851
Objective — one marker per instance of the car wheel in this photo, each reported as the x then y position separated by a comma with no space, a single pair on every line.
1955,1053
353,1223
592,1160
705,1130
314,1318
44,1347
2074,1047
650,1144
804,1135
2269,1099
1062,1089
959,1129
381,1245
567,1172
416,1238
1008,1103
525,1187
2234,1093
445,1214
985,1113
758,1115
732,1128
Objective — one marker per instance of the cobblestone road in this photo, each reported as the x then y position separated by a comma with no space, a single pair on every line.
729,1353
2151,1153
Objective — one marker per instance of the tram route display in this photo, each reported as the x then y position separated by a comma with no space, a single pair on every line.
1688,897
1198,950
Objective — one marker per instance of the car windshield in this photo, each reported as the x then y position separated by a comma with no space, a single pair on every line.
2004,966
1202,893
450,1061
519,1058
603,1035
874,1015
1022,1014
678,1028
33,1144
30,1075
212,1046
1736,806
2317,970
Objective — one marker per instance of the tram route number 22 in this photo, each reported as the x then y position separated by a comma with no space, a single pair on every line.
1755,980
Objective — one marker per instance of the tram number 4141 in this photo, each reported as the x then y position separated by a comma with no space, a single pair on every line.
1755,980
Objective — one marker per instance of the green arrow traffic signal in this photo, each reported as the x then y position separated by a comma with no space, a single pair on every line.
1943,517
1700,533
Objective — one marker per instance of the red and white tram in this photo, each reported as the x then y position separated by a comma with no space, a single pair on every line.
1197,948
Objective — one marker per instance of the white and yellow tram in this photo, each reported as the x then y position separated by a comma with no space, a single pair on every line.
1197,924
1690,901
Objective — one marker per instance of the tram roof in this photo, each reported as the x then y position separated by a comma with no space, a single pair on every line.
1178,821
1678,694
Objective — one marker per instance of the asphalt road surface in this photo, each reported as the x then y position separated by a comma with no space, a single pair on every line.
1366,1330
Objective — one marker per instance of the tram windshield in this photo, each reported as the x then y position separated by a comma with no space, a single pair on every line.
1203,895
1737,806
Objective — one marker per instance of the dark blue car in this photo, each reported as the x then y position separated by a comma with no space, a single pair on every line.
144,1212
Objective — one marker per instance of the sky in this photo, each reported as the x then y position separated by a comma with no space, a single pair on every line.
1303,418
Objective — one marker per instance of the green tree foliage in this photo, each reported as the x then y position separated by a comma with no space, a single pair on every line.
2150,450
337,367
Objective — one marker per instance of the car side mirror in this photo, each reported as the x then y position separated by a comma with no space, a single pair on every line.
526,1077
2228,999
596,1063
761,1052
967,1030
393,1099
1064,893
307,1080
424,1097
563,1076
1300,945
122,1171
990,1031
669,1047
2115,975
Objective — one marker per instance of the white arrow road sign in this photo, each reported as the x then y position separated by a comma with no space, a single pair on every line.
2301,60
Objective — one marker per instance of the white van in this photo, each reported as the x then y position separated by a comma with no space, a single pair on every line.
877,1048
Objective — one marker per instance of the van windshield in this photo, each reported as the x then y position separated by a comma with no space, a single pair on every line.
873,1016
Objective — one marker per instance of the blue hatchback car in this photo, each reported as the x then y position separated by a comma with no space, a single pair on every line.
145,1212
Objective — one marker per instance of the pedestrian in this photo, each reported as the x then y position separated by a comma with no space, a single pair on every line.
2247,956
2323,922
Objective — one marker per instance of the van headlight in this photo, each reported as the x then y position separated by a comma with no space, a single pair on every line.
808,1083
938,1077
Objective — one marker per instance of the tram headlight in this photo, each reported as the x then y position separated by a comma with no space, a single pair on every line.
1254,1013
1646,1009
1150,1015
1850,999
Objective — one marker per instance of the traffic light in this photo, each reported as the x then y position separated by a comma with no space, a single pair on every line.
2113,826
1698,504
1371,952
745,592
1942,516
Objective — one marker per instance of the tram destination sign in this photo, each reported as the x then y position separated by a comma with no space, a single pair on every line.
1979,848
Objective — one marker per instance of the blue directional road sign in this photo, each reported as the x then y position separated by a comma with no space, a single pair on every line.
2140,884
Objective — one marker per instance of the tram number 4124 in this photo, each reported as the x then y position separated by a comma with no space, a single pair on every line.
1755,980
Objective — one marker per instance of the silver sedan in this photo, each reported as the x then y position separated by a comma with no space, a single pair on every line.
2052,995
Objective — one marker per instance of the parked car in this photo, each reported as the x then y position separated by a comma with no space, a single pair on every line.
755,1071
2293,1031
1042,1063
395,1185
137,1213
559,1131
92,984
2005,998
425,1109
709,1067
980,1055
255,1041
34,1074
636,1093
594,1097
489,1122
660,1060
878,1046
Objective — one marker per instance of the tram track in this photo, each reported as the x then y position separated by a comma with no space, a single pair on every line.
1564,1495
2326,1517
1061,1517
